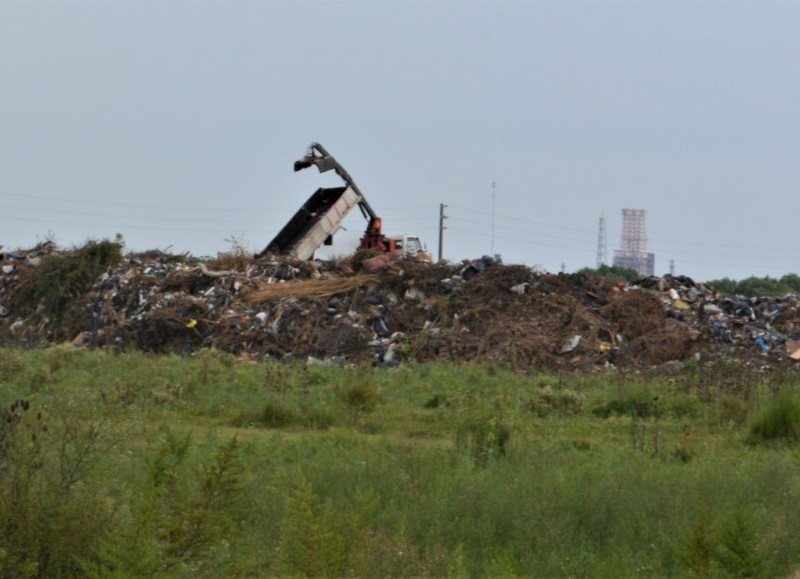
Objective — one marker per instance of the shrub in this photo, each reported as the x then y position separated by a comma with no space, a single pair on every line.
360,394
484,437
435,401
213,365
60,278
732,410
739,552
315,540
51,513
700,545
684,406
566,402
182,516
282,411
277,413
278,378
12,364
635,406
780,419
62,357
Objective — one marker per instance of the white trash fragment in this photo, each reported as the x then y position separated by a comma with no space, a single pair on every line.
570,344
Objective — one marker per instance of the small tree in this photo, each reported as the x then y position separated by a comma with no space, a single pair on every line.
612,273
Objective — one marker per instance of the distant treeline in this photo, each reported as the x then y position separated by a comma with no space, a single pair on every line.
612,272
750,287
759,286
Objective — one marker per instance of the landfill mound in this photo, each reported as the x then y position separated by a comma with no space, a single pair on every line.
381,310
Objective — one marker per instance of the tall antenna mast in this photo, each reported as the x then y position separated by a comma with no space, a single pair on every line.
494,196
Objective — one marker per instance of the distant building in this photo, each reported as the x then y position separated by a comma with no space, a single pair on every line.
632,253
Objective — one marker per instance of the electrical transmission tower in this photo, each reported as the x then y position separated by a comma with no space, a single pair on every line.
632,253
602,245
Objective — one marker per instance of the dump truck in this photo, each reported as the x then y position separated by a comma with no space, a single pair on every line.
321,216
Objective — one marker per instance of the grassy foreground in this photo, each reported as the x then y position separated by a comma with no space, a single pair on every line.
133,465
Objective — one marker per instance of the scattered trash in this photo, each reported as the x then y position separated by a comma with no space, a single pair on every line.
281,308
520,288
414,293
570,344
793,349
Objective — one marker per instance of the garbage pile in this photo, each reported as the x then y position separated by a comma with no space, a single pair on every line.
385,311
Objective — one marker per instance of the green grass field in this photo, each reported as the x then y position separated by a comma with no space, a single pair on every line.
133,465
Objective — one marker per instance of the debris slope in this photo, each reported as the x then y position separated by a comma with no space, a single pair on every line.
380,310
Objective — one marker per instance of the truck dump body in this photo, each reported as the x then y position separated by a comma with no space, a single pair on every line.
316,221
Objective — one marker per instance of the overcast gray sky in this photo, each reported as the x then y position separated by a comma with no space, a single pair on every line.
177,123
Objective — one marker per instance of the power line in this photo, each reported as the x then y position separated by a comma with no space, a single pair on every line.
523,220
429,218
660,241
175,208
166,219
694,253
147,217
385,209
137,205
723,255
540,244
117,226
517,230
515,240
732,246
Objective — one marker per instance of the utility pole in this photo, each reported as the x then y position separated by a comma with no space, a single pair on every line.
494,196
442,217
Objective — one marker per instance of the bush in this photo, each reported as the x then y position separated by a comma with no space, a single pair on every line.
360,394
740,553
60,278
51,513
283,411
484,437
635,406
732,410
277,413
12,365
181,519
565,402
315,541
684,406
778,420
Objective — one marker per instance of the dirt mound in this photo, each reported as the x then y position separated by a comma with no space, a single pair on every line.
478,310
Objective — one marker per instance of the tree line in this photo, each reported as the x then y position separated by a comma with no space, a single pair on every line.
751,287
